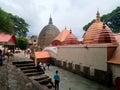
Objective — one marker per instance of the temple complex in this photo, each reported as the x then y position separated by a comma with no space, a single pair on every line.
96,57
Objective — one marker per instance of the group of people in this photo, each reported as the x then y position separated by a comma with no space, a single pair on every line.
42,66
56,77
5,54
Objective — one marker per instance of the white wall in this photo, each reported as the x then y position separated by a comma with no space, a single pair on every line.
90,56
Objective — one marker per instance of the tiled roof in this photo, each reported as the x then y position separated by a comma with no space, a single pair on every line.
43,54
7,39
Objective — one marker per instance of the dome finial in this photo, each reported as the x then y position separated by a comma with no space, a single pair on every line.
70,31
50,20
97,16
65,28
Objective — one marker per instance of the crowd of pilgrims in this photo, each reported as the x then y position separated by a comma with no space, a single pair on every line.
5,54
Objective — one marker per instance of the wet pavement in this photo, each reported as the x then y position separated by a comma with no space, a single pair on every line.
71,81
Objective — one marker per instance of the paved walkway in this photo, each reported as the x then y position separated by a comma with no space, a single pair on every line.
74,81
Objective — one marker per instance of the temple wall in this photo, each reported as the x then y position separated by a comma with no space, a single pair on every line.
115,71
95,57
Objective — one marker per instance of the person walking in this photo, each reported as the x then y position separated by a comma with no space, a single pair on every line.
48,64
56,80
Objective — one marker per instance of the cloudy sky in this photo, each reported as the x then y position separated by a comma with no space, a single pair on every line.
73,14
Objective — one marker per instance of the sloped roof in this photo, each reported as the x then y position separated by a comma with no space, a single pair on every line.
117,36
43,54
7,39
105,36
116,56
71,39
61,37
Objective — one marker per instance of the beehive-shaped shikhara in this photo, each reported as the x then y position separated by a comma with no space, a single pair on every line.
105,36
71,39
48,33
93,30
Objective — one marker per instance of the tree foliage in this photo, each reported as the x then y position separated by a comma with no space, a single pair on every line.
12,24
111,19
22,43
20,26
6,25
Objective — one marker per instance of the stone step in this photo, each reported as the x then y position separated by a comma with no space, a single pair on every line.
22,65
22,62
41,78
34,74
50,85
30,70
45,81
28,67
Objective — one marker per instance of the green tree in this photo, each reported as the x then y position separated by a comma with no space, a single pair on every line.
22,43
20,26
89,24
12,24
6,25
111,19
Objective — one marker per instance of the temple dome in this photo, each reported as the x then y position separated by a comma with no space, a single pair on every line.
48,33
59,40
105,36
65,38
94,29
71,39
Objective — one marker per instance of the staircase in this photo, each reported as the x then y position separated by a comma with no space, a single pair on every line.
30,70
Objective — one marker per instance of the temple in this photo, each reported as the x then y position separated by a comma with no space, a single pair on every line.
96,57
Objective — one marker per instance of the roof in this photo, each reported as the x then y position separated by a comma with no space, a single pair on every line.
117,36
43,54
61,37
7,39
105,36
116,56
93,30
71,39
